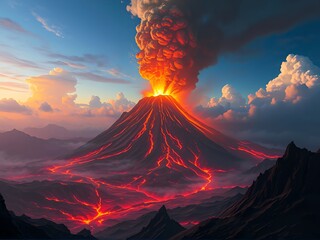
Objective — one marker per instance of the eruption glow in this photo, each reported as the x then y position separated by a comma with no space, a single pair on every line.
167,46
157,152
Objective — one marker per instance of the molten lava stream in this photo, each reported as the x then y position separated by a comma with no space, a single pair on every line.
173,158
256,154
96,208
173,155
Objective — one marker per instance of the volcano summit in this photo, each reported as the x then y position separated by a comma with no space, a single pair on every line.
157,147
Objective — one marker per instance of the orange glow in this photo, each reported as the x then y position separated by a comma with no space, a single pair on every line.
167,51
171,156
257,154
156,134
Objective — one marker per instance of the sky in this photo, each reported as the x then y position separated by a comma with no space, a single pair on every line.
73,63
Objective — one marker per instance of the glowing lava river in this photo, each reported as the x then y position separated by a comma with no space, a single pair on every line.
156,153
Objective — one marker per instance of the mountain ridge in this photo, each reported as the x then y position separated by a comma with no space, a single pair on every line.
281,203
160,227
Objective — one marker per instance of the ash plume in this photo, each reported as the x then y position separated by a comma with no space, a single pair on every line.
179,38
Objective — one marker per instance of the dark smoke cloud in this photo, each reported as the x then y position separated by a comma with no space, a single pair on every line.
219,27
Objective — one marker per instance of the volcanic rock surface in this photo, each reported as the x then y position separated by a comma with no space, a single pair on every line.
157,147
24,227
160,227
153,155
282,203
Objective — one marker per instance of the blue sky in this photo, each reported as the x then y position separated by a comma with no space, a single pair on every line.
72,63
105,30
258,62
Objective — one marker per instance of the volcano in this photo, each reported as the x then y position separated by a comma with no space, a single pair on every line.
158,147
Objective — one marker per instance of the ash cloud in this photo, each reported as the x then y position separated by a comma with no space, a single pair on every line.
212,27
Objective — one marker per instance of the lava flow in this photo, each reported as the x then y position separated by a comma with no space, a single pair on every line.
156,150
157,147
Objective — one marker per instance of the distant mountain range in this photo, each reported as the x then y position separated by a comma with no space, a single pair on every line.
283,203
58,132
17,144
23,227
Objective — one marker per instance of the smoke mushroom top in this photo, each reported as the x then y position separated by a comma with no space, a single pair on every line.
178,38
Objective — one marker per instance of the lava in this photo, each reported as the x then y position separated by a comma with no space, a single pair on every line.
156,152
96,208
245,147
173,154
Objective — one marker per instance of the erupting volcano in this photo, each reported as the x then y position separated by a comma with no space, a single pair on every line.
157,151
153,154
157,148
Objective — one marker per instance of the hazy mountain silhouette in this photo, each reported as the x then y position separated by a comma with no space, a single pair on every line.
59,132
17,144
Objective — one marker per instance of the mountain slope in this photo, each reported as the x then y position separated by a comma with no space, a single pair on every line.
160,227
282,203
157,138
23,227
8,229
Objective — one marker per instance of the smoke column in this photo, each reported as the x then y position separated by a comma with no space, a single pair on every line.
179,38
167,46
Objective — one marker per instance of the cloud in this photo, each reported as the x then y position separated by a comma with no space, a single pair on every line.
207,30
13,86
50,28
45,107
118,74
112,107
98,78
98,60
95,102
12,106
230,98
68,64
10,25
8,58
53,101
121,103
297,75
286,109
57,89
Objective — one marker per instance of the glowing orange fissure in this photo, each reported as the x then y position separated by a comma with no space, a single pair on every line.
244,147
169,158
96,207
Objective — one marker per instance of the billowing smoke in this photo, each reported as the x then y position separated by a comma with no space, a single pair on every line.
168,47
178,38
